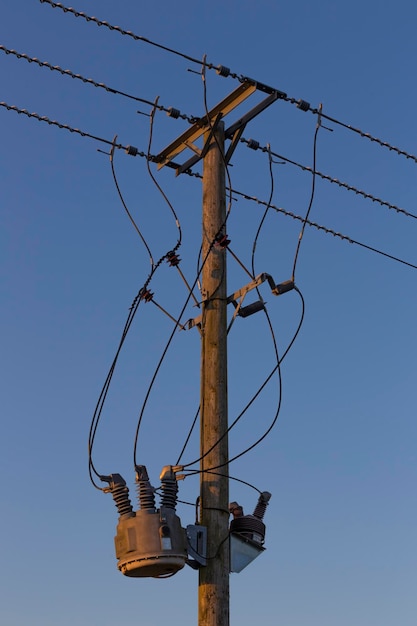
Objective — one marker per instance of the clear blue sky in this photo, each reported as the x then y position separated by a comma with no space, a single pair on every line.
341,462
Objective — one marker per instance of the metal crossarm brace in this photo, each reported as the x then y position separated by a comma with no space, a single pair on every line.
196,130
240,295
234,132
199,154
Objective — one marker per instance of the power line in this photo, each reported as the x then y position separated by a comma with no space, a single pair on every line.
310,204
325,229
128,33
47,120
132,151
175,113
269,323
171,111
380,142
130,216
157,185
276,368
224,71
254,145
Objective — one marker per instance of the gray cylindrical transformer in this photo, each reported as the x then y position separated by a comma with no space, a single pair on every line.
151,544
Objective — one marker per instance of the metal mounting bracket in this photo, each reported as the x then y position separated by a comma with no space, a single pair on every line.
196,130
237,298
234,132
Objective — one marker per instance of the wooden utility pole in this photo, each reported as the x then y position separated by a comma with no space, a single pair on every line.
213,589
213,597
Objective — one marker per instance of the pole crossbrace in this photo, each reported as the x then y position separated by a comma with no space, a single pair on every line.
187,139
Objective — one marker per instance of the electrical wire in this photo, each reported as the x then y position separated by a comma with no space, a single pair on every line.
196,472
190,432
103,394
247,406
198,410
135,226
132,313
157,185
176,325
305,221
199,270
227,431
252,400
134,308
263,218
276,368
239,480
158,367
104,391
310,204
274,344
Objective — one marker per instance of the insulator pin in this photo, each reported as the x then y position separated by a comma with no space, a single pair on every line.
173,259
132,151
303,105
222,241
146,295
253,144
222,70
172,112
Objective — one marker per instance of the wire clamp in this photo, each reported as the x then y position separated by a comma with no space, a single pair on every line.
221,241
146,294
173,259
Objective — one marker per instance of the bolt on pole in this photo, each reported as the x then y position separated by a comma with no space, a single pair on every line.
213,599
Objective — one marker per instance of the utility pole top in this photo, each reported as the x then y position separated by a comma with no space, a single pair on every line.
211,120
